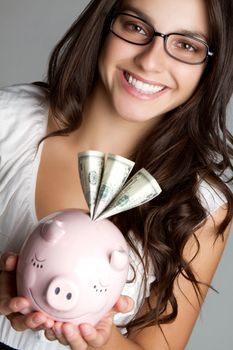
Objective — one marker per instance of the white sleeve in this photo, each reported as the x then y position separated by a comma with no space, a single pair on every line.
211,198
23,122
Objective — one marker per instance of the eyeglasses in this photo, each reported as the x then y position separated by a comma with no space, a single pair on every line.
182,47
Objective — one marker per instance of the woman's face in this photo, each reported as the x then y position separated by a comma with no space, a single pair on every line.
144,82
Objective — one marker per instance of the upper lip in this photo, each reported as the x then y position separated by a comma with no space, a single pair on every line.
143,80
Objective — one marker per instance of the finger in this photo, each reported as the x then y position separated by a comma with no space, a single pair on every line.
124,304
73,336
35,320
48,323
4,306
17,304
58,330
50,335
97,337
8,261
17,321
12,305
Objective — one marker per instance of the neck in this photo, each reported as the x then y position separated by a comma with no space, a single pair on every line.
102,129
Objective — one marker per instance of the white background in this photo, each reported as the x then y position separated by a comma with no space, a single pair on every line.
28,31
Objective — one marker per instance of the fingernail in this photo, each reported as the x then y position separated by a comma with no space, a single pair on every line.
86,329
49,323
69,330
57,331
124,304
9,264
37,319
10,259
50,333
18,305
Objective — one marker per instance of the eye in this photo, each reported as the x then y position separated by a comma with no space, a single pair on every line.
134,27
37,263
187,46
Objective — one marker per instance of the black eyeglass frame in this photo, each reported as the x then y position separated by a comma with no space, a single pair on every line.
162,35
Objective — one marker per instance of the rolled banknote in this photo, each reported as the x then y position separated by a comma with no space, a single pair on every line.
90,165
141,188
116,172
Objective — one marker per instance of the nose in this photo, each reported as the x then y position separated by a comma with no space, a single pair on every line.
152,57
62,294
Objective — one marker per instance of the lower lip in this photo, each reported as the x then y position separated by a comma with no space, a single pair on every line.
139,94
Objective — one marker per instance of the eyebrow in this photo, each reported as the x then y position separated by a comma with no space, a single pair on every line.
135,11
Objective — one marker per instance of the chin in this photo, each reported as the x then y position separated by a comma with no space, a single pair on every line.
135,117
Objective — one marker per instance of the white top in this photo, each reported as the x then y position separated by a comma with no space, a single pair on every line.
23,122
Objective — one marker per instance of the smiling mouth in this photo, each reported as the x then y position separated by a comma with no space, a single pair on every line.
143,87
57,316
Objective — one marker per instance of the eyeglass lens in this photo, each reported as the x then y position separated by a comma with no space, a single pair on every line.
181,47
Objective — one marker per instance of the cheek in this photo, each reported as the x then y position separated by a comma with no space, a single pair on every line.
114,53
188,79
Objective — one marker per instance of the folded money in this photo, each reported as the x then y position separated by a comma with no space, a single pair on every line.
105,186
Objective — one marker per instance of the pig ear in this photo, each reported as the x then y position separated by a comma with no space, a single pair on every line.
52,230
119,259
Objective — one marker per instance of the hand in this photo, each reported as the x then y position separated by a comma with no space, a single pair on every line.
80,338
11,305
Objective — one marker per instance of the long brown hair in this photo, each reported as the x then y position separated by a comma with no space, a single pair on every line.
190,144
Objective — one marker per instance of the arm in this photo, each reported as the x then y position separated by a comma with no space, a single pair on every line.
178,332
149,338
204,265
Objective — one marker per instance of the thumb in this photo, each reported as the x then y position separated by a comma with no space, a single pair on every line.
8,261
124,304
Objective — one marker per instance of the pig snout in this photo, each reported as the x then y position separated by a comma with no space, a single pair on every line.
62,294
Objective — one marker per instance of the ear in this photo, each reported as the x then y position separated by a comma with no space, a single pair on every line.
119,259
52,230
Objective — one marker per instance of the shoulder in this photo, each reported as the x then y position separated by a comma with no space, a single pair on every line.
23,112
203,257
17,92
23,123
211,198
15,100
21,95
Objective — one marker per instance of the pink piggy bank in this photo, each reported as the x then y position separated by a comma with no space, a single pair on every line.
72,268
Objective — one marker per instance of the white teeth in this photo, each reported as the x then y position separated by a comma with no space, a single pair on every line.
143,87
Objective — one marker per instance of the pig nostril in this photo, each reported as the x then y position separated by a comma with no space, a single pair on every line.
69,296
62,294
57,290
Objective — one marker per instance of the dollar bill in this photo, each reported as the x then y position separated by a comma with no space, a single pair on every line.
116,172
90,165
141,188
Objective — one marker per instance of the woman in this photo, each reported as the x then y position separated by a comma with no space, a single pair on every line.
117,84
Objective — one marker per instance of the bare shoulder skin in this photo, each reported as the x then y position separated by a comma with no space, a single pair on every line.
178,332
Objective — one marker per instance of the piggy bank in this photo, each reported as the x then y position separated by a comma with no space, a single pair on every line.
72,268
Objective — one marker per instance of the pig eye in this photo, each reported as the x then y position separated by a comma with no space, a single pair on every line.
100,290
36,263
57,290
69,296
